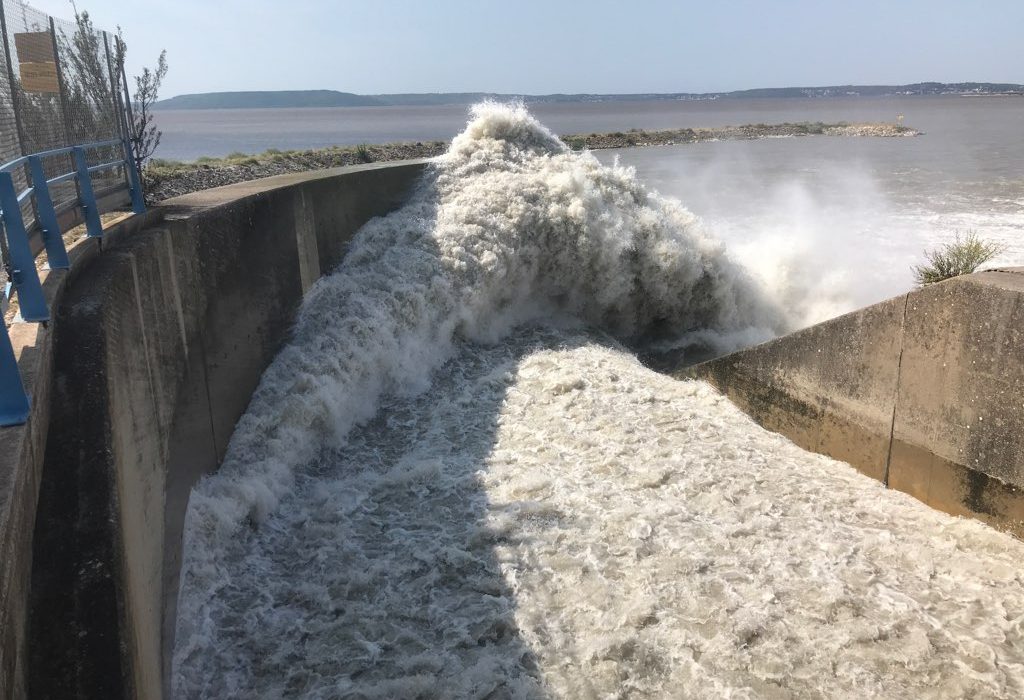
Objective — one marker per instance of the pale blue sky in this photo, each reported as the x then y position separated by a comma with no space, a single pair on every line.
546,46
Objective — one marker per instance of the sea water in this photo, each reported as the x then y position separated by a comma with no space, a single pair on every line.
838,222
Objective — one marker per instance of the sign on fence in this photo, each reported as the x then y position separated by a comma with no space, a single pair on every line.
36,62
34,46
39,77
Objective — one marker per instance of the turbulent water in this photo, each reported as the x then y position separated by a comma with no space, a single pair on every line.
456,482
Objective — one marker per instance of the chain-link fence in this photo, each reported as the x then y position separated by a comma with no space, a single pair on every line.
59,86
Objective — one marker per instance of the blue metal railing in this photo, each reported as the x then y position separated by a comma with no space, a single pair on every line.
24,278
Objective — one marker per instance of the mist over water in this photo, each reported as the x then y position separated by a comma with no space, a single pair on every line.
456,481
834,224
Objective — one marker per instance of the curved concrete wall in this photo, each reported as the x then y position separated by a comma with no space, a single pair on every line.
924,392
157,343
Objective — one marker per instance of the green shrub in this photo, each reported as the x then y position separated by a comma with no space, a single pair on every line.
237,155
363,154
961,257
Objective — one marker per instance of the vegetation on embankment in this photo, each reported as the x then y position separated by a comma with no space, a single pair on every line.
746,132
962,256
166,178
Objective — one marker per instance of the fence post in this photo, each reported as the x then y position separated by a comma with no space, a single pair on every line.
87,198
56,253
135,187
132,179
14,402
31,303
129,114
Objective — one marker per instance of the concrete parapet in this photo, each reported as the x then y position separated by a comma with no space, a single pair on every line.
924,392
157,343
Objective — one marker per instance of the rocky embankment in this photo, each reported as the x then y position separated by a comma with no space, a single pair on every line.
165,179
747,132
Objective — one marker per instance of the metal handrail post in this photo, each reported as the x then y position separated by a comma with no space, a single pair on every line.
134,178
56,253
31,303
87,198
14,402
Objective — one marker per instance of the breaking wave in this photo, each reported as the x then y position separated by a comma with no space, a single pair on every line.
509,225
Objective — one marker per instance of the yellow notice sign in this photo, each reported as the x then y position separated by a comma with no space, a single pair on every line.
39,77
37,64
34,47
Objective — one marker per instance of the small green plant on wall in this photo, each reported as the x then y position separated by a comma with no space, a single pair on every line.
962,256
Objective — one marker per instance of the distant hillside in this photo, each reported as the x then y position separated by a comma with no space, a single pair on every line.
266,99
439,98
884,90
332,98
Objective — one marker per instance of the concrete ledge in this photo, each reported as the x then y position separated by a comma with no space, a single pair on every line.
924,392
158,341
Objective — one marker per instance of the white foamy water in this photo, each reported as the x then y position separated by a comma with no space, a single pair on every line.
423,501
833,224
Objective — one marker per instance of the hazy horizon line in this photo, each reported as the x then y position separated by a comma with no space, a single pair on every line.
644,92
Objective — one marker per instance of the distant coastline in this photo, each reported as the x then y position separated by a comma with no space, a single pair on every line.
172,178
298,99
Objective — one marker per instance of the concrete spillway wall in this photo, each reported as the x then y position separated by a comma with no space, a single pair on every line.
924,392
160,338
157,344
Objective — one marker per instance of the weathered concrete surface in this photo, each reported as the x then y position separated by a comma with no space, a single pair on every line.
924,392
22,450
157,344
958,438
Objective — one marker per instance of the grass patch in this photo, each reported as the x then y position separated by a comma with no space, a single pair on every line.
575,143
163,163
